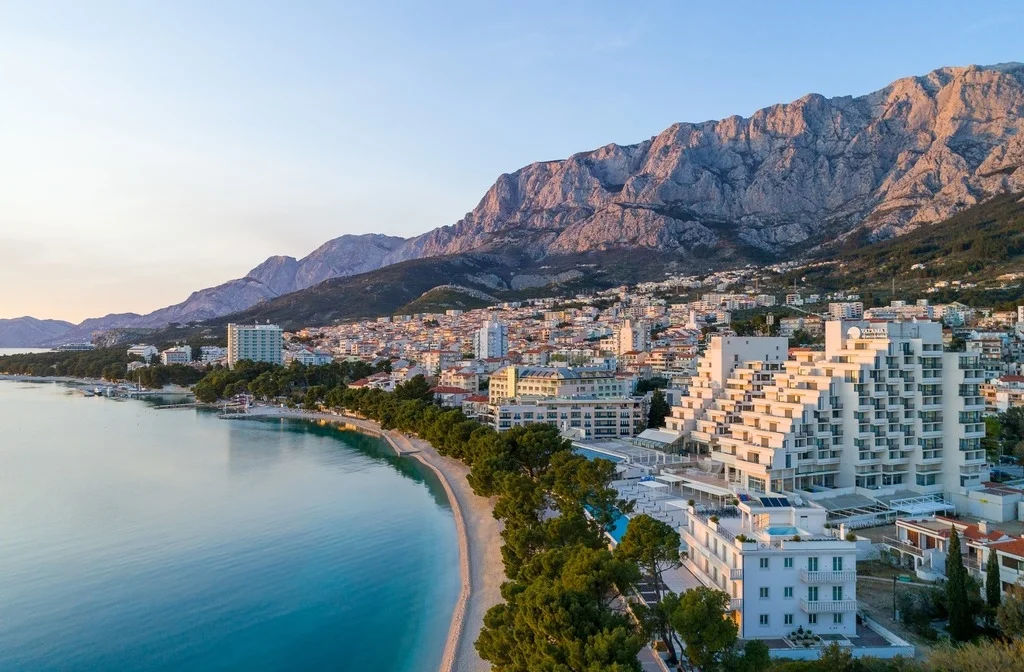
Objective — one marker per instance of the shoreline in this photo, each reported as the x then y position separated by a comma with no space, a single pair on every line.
481,569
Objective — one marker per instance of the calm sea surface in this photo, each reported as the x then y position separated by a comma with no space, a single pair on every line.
141,539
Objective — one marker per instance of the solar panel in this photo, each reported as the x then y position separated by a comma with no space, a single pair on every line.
783,501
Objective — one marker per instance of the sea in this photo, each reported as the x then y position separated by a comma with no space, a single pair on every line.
135,538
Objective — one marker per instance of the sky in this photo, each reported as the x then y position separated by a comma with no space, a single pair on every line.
151,149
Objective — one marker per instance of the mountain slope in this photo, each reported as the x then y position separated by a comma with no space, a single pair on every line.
771,186
343,256
914,152
982,245
24,332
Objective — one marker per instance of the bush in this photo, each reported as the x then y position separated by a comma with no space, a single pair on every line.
850,536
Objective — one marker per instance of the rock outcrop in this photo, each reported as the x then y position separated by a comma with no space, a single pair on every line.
912,153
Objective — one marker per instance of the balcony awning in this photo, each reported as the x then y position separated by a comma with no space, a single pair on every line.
654,484
920,506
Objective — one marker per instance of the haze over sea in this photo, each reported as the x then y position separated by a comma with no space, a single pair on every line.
140,539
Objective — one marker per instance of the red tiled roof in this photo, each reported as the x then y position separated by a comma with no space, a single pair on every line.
448,389
1013,547
477,398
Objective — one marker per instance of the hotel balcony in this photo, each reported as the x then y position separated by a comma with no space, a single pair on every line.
736,604
844,576
827,606
736,573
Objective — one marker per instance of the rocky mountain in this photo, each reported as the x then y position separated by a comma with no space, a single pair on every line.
912,153
341,257
769,186
25,332
338,258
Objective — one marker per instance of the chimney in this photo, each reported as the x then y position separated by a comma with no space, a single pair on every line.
983,526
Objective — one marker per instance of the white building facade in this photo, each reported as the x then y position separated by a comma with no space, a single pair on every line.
491,340
781,568
255,342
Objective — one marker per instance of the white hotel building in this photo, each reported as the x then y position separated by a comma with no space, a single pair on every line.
781,568
882,408
255,342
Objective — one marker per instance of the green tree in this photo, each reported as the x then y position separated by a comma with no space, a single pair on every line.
653,546
961,620
659,409
1010,614
702,623
756,657
416,387
655,621
993,587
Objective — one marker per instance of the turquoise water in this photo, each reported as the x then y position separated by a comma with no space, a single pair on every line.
778,530
137,539
594,454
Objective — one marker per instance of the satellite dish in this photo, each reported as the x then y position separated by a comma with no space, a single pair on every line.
853,332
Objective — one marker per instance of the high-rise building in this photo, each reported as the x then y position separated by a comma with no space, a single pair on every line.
883,408
632,337
491,340
255,342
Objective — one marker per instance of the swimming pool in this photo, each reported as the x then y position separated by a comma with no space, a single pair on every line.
779,531
594,454
618,527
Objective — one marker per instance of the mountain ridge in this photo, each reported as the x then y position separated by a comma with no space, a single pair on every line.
786,179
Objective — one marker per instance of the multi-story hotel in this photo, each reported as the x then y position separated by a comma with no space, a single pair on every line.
255,342
517,381
883,406
587,417
782,569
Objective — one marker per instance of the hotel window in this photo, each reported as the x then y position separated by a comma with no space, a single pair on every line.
763,563
787,563
812,593
787,619
837,593
837,564
812,619
787,592
812,564
837,618
763,593
763,619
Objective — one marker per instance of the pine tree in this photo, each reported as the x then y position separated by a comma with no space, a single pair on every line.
993,594
659,409
961,621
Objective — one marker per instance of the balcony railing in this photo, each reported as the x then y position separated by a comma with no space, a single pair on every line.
842,576
736,604
827,606
736,573
903,545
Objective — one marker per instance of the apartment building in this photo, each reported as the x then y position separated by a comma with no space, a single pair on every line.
586,416
144,351
922,543
846,310
255,342
781,568
180,354
490,340
515,381
1003,393
882,407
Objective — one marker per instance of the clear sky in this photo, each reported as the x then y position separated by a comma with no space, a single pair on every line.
149,149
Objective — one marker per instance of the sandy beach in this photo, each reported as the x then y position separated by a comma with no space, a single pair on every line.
480,566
